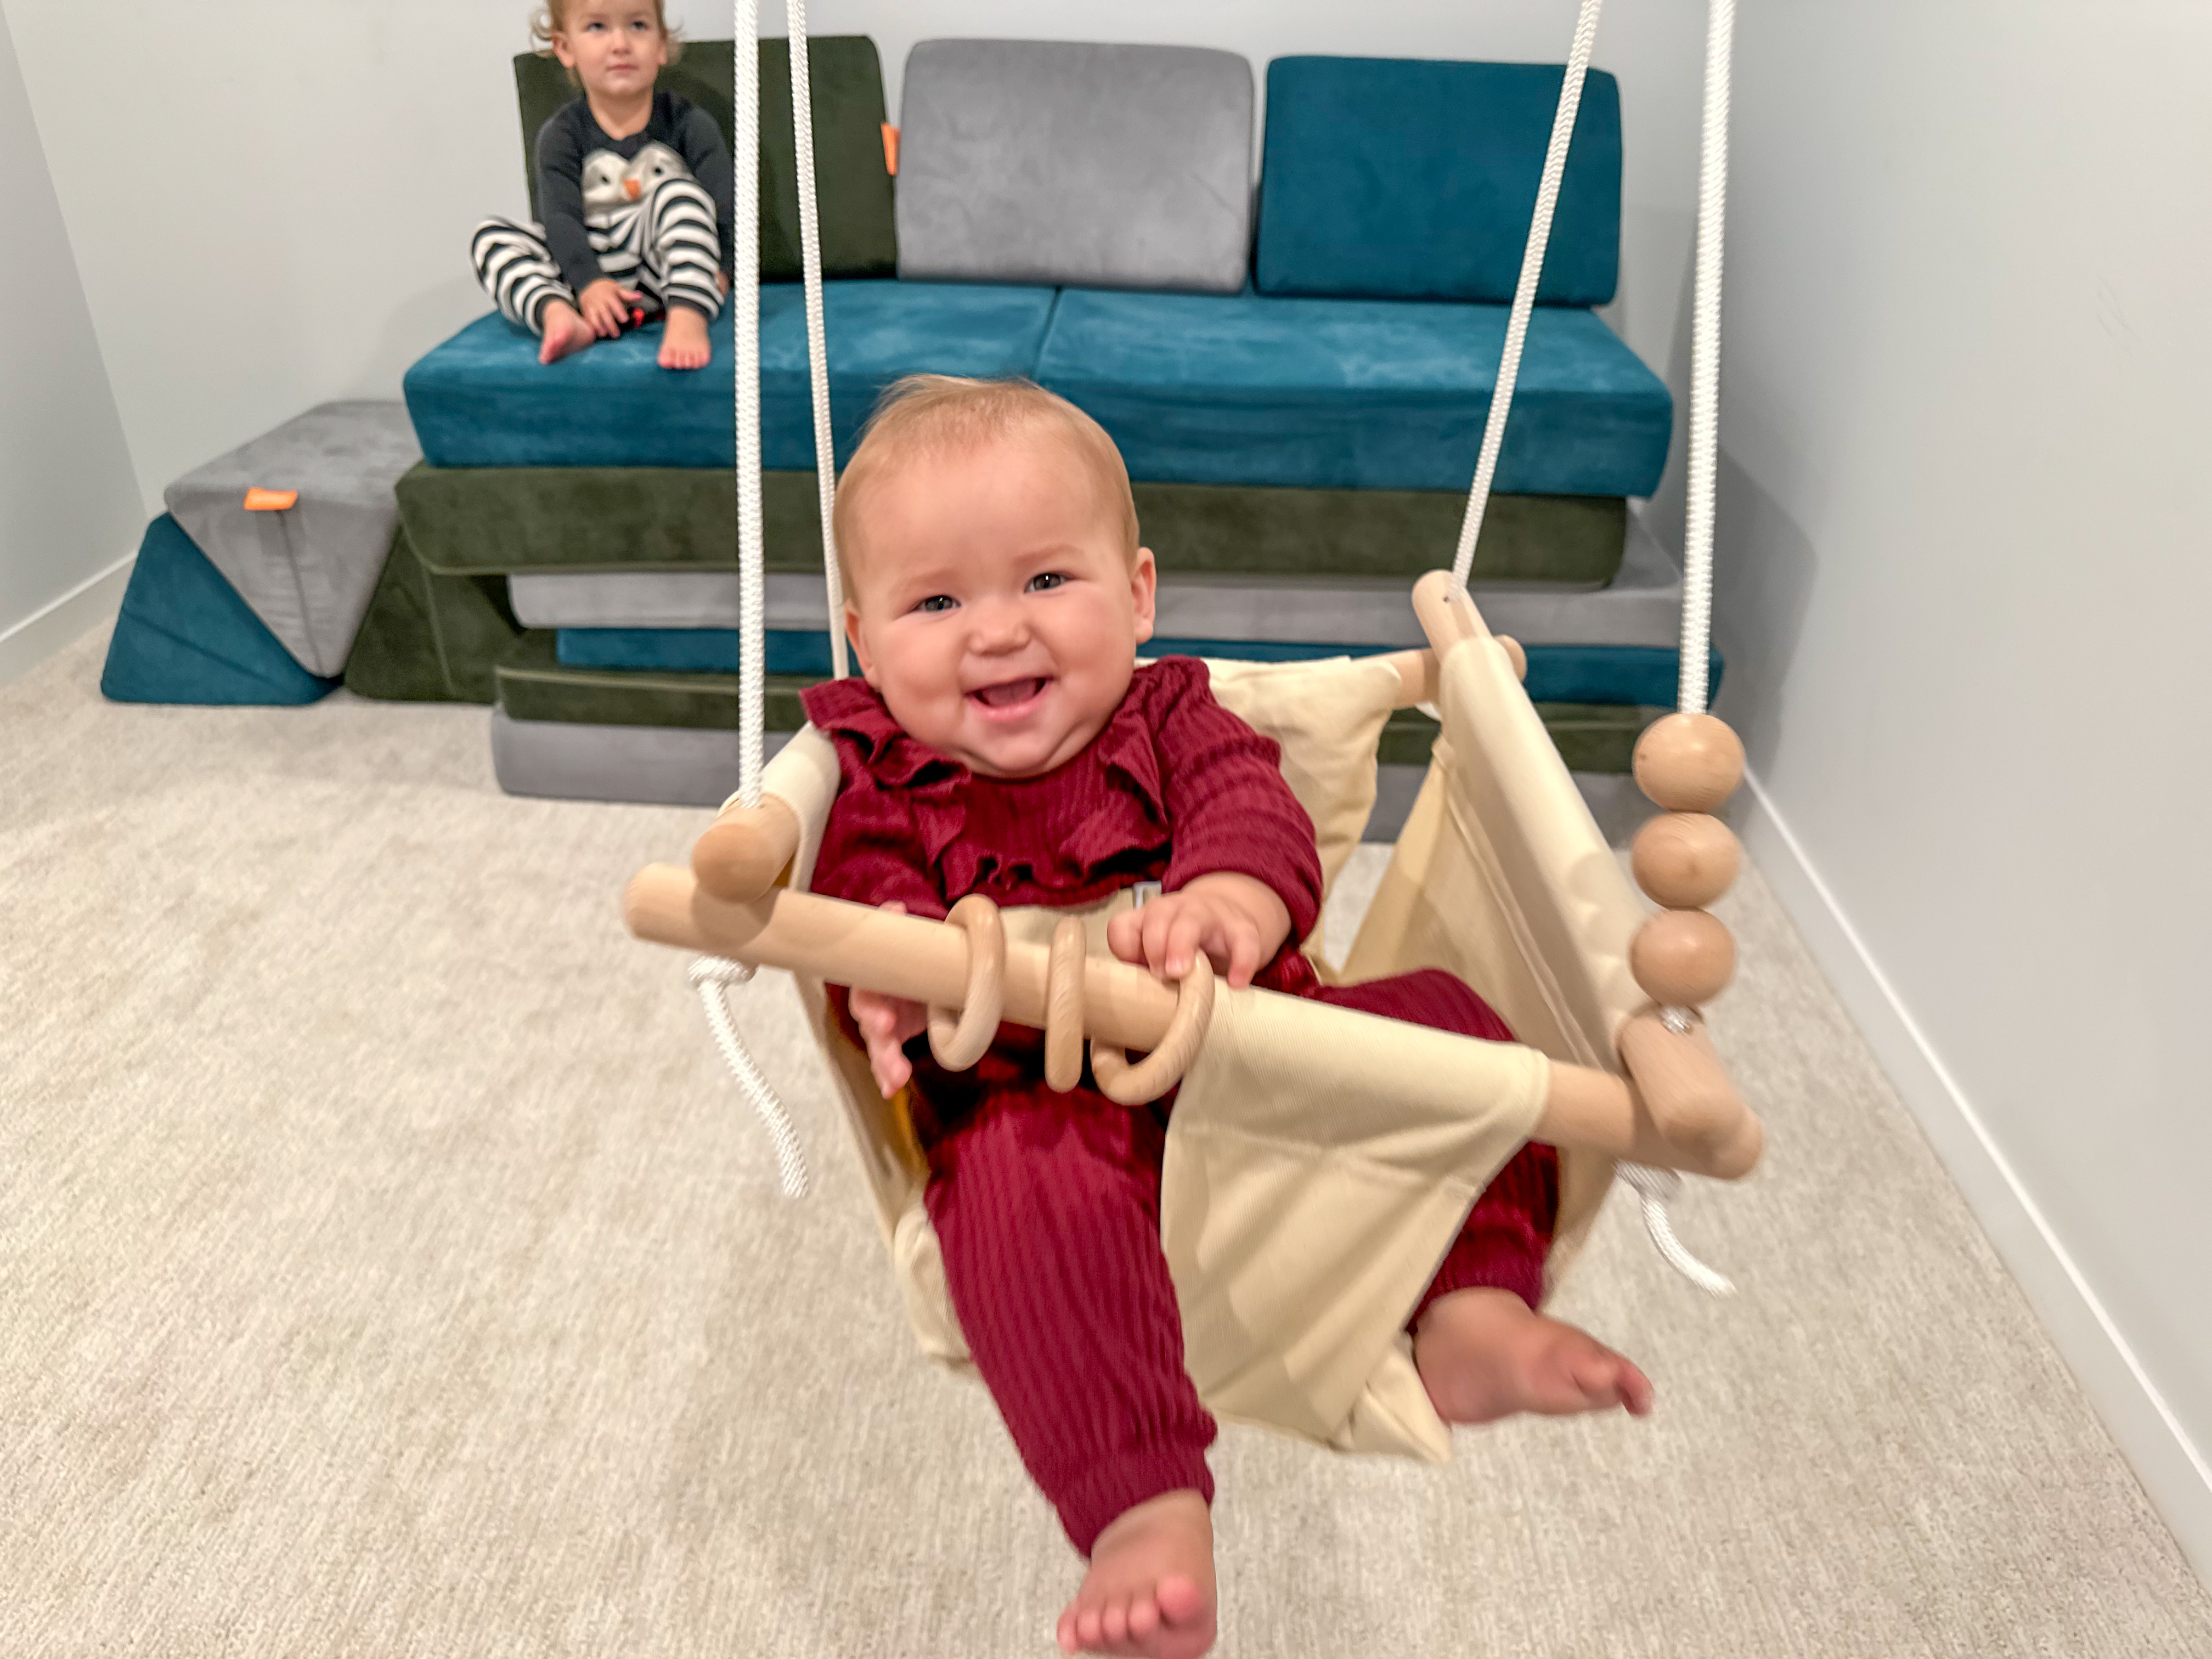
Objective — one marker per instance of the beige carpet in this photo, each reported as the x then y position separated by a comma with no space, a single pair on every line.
386,1269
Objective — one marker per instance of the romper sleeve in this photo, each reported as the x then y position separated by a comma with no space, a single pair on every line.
699,141
1228,807
561,201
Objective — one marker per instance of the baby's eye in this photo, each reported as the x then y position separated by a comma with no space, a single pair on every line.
938,602
1045,581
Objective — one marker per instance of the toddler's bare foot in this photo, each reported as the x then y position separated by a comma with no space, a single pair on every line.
1150,1590
1484,1354
566,330
685,344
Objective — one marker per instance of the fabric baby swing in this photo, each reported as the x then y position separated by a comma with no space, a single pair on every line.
1318,1161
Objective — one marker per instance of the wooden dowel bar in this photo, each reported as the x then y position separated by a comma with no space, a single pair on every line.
1122,1005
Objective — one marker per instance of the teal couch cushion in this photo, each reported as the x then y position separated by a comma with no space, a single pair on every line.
186,636
1362,394
483,399
1618,674
1397,179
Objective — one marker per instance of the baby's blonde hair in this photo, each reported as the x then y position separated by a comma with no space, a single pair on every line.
552,18
926,415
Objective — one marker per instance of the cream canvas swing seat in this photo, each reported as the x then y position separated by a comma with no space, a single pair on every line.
1319,1161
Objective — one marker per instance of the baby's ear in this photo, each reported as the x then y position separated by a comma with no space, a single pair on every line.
853,638
1144,584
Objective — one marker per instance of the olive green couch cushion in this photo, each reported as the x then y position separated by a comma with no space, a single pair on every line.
430,638
482,520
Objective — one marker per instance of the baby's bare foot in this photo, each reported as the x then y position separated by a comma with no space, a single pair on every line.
1150,1590
566,330
684,345
1484,1354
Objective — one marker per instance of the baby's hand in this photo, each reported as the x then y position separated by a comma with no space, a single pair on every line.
1239,923
887,1024
605,305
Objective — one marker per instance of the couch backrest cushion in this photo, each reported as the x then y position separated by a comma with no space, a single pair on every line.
1402,178
1063,162
851,180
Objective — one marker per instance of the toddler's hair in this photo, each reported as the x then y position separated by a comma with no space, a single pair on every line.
552,18
926,415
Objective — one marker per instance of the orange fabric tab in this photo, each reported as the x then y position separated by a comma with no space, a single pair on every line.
271,501
891,149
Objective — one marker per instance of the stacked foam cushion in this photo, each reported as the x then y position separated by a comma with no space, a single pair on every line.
1300,400
253,588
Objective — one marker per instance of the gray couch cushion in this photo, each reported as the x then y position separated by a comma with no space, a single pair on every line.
652,765
308,570
1091,166
1642,607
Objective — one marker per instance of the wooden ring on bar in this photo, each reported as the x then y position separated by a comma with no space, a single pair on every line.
1063,1006
959,1046
1162,1069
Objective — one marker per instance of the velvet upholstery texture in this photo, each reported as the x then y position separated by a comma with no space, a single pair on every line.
852,183
429,638
1401,179
1360,394
495,520
307,569
487,521
184,636
1614,674
482,399
535,686
1067,163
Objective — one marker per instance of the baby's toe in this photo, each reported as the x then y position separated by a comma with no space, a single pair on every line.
1114,1624
1144,1619
1179,1599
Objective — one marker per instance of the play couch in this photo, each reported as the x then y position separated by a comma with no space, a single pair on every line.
1298,376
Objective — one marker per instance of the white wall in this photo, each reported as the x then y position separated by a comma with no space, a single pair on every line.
1966,551
69,504
273,204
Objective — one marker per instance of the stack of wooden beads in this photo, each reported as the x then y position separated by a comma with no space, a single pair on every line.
1689,765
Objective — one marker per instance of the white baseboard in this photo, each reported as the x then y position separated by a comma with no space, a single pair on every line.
68,619
2174,1473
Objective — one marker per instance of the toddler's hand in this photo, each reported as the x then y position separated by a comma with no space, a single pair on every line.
605,305
1239,923
887,1024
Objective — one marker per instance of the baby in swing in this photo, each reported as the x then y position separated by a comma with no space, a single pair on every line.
634,186
1002,741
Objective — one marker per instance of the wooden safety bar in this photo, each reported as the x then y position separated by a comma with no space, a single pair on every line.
849,944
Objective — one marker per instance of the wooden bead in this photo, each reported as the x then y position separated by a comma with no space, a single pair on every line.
1682,958
1688,762
1685,860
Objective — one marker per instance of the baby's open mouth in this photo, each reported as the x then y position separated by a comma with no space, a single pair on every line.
1009,694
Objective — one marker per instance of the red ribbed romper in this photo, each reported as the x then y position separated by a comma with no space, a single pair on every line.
1046,1205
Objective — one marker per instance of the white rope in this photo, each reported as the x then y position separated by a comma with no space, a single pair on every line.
1705,364
818,347
1656,1188
713,978
1524,292
745,301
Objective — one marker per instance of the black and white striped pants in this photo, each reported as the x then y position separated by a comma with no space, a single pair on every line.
667,245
